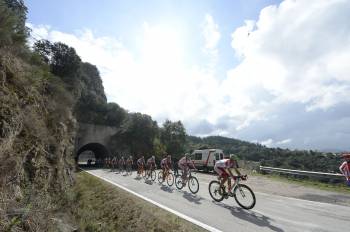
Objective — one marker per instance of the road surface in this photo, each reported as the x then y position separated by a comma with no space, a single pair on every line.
271,213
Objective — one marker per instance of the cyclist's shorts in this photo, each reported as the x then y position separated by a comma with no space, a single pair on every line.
221,172
183,167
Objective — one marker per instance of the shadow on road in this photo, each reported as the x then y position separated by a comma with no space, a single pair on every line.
166,189
192,198
149,182
250,216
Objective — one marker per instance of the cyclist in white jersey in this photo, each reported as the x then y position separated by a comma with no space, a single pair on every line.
223,169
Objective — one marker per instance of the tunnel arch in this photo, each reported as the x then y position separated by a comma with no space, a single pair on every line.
100,151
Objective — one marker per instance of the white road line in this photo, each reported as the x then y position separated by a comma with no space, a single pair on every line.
192,220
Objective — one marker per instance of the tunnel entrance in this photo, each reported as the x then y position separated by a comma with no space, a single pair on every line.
91,154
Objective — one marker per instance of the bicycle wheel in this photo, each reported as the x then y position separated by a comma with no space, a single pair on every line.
193,184
170,179
178,182
215,192
244,196
160,177
153,175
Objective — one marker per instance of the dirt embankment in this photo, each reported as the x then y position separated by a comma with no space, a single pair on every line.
36,142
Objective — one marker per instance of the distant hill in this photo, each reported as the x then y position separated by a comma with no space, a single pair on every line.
275,157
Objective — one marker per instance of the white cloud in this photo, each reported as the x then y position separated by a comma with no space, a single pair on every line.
211,35
298,52
155,82
285,141
293,69
268,142
272,143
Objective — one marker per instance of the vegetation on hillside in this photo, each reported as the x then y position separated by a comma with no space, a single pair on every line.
37,130
274,157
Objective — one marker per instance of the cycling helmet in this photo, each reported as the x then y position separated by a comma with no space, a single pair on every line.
233,157
153,157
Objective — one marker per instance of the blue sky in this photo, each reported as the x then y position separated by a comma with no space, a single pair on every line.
273,72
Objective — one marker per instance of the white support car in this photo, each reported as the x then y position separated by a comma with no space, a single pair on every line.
205,159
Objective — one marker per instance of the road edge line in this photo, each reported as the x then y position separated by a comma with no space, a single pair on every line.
181,215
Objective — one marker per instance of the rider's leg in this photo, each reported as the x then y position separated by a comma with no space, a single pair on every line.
185,173
229,185
182,171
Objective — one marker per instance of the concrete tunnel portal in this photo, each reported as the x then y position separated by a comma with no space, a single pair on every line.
100,152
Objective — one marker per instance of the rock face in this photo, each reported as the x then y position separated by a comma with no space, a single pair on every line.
37,130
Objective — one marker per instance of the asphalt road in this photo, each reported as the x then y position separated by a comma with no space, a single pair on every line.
271,212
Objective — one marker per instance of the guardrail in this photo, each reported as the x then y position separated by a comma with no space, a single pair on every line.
303,173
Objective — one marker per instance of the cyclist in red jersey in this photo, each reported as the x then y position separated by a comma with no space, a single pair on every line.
345,167
185,163
165,164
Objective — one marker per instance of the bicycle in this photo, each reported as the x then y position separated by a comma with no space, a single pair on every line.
169,177
192,181
141,172
150,173
128,169
243,195
121,168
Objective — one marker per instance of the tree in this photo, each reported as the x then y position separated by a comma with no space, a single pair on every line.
115,115
159,148
173,136
13,14
63,60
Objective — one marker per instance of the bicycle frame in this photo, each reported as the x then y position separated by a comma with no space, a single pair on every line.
234,184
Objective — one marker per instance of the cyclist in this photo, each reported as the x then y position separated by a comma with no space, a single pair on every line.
114,163
223,169
129,163
140,165
165,164
121,163
345,167
185,163
151,164
108,162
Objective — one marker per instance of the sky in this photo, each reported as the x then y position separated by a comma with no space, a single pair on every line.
270,72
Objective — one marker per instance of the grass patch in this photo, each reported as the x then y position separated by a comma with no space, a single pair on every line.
334,187
101,206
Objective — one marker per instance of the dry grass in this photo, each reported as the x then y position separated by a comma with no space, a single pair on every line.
103,207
